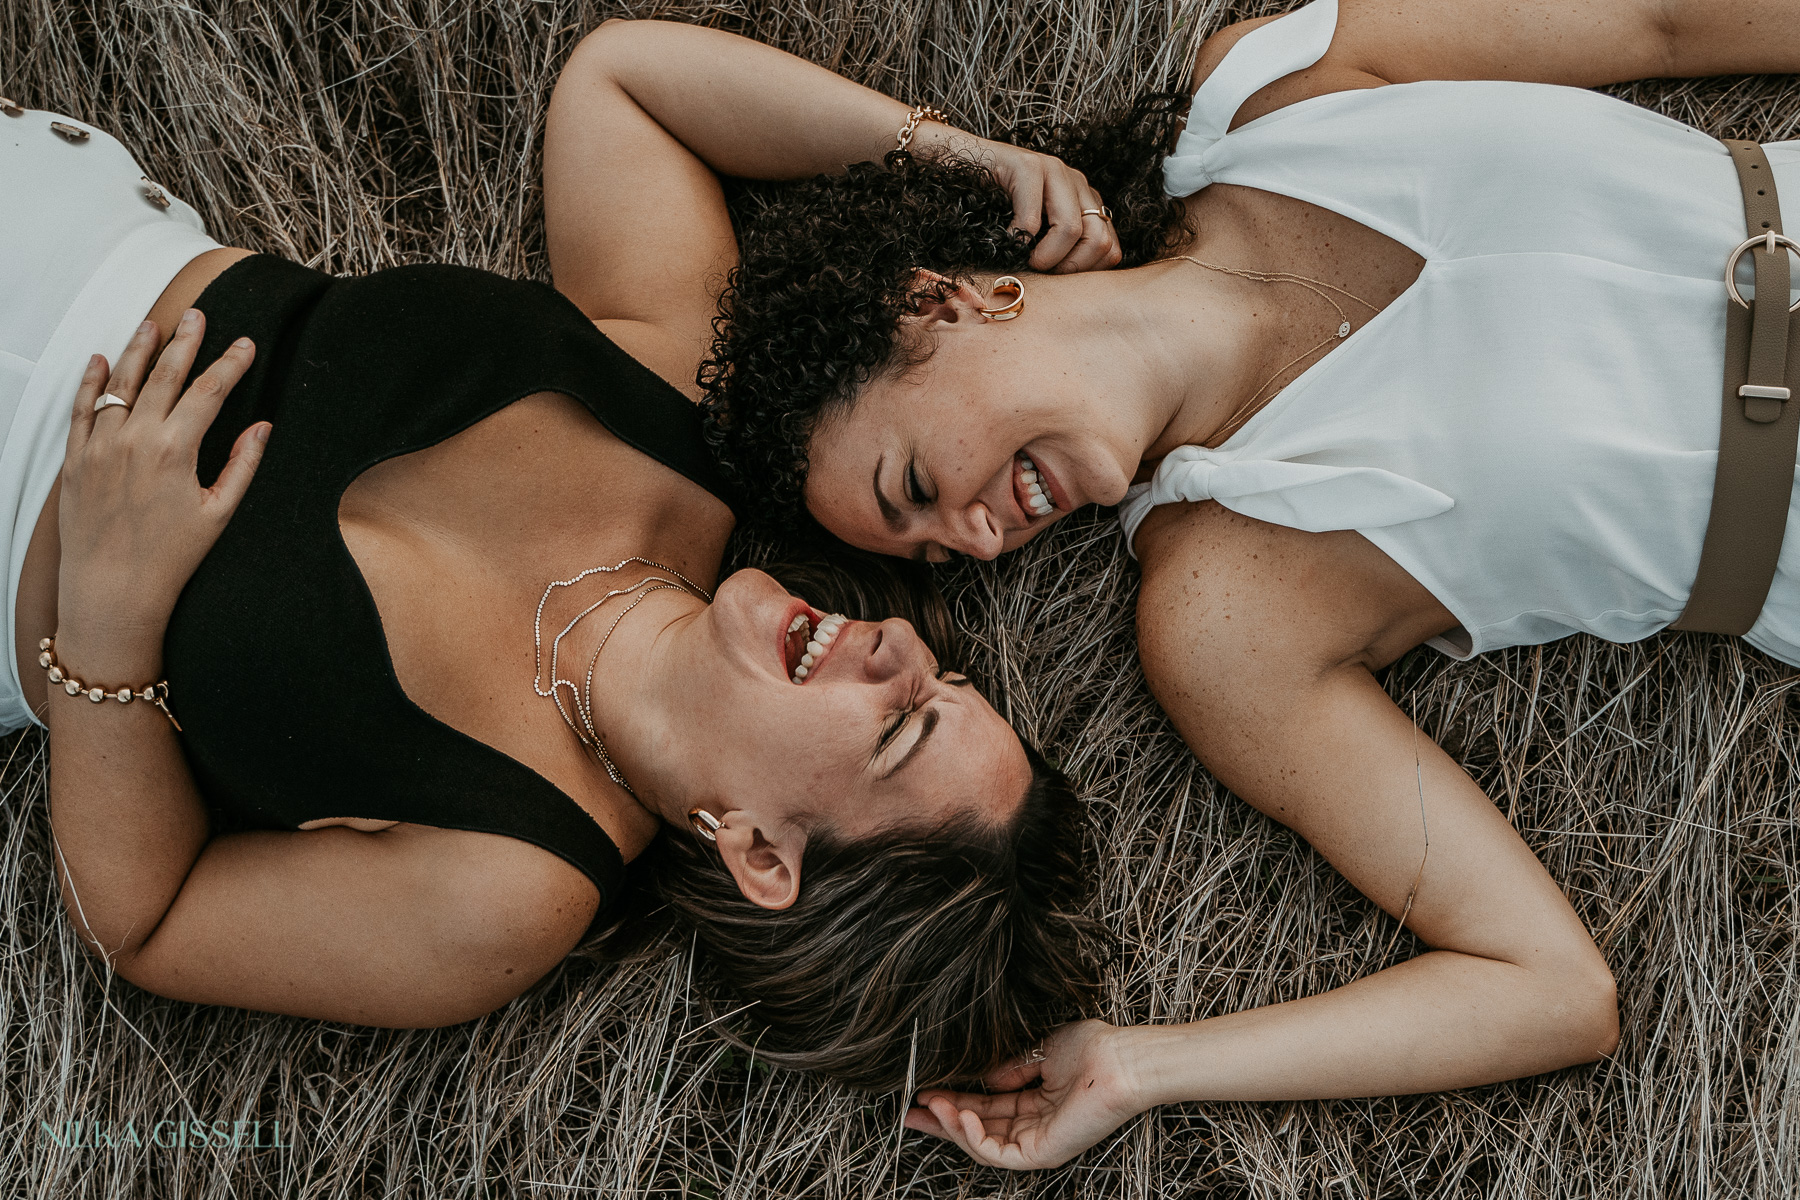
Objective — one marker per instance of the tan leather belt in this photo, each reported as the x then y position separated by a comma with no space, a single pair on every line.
1760,426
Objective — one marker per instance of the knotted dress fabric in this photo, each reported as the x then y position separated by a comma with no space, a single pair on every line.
1531,429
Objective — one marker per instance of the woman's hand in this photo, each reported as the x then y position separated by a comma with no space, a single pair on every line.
1083,1094
134,520
1048,195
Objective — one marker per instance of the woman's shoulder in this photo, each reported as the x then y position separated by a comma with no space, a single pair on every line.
1334,72
1225,593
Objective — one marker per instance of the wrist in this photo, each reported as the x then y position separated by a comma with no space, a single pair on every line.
937,137
1144,1057
109,659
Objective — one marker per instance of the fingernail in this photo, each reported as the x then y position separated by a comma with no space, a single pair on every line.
189,317
148,327
96,362
242,344
262,435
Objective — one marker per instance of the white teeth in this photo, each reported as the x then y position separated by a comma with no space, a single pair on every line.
1031,483
818,644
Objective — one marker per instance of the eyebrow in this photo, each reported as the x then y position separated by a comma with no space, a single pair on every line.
931,724
889,513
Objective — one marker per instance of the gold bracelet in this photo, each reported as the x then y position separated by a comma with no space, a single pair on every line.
155,693
920,112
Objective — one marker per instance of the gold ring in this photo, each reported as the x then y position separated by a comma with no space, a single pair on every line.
109,400
1103,212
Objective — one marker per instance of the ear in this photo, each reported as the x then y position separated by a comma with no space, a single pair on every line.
960,303
766,866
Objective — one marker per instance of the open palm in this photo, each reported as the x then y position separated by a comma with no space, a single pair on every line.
1080,1097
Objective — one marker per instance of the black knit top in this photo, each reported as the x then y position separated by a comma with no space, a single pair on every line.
278,667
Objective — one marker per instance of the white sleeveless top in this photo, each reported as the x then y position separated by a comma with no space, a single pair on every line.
1531,429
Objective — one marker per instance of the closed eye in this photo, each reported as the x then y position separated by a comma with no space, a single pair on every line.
915,491
893,730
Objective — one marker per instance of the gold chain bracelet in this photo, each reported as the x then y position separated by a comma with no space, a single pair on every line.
155,693
920,112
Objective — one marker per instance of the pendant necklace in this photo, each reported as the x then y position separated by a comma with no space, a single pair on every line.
1318,288
581,699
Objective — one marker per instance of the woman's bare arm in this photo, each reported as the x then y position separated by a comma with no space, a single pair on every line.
1583,43
408,926
1258,641
648,113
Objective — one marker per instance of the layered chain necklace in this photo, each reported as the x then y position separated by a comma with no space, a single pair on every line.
581,698
1317,287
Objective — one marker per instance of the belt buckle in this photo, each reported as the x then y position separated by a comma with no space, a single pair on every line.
1770,241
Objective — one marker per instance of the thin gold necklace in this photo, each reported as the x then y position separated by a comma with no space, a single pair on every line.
1316,286
581,699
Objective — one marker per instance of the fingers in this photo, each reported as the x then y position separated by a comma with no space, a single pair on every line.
158,396
983,1146
1015,1075
1003,1106
1098,247
990,1143
1062,207
1028,203
240,468
923,1120
194,412
81,421
128,373
949,1119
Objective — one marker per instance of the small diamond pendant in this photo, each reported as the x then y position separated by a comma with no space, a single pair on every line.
1344,330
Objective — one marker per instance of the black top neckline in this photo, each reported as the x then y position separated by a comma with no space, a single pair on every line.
277,653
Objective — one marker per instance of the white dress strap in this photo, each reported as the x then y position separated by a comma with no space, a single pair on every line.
1309,496
1283,46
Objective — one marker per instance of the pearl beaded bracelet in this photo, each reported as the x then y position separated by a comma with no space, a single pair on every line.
155,693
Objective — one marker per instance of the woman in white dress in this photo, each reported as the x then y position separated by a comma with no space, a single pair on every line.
1441,364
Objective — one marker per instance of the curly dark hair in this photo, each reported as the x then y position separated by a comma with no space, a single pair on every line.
826,268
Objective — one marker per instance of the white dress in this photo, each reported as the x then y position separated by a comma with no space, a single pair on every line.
1531,429
84,252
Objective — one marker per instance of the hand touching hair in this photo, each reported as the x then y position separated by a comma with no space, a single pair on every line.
827,268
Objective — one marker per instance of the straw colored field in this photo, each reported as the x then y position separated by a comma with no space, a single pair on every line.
1657,781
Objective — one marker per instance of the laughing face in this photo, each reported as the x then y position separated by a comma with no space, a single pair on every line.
1000,432
816,718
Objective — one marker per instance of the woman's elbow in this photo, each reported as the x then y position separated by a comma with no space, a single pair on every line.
1588,1011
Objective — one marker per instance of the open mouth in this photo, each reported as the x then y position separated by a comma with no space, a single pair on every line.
804,647
1030,488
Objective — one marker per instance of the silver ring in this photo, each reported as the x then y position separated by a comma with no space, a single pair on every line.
108,400
1770,241
1103,212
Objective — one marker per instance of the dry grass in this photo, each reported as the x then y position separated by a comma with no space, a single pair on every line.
1655,780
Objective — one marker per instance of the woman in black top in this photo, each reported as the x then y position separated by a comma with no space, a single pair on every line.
366,815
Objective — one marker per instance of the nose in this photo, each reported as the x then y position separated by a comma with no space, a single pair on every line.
894,648
974,532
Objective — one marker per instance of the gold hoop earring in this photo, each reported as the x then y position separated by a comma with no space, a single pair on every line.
705,824
1011,309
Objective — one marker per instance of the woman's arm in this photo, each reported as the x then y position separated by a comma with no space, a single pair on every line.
409,926
1256,640
648,113
1584,43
